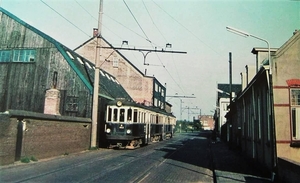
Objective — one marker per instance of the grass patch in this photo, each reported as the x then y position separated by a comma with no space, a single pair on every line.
33,158
25,160
93,148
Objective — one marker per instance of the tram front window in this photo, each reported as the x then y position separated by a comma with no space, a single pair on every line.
109,114
122,115
129,114
115,115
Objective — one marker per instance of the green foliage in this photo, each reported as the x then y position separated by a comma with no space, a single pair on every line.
93,148
27,159
187,126
33,158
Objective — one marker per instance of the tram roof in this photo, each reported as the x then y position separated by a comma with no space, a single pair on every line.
134,104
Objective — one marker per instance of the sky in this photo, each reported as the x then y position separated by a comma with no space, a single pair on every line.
197,27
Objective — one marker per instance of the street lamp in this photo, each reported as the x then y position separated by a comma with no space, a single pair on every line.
271,106
221,91
245,34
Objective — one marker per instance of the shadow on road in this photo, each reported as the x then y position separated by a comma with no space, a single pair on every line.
228,165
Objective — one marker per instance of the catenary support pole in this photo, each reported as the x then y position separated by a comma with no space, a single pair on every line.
96,81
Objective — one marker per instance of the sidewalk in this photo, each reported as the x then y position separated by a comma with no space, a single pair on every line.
231,166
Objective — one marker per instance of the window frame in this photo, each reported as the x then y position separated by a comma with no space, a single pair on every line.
4,55
23,55
115,62
295,126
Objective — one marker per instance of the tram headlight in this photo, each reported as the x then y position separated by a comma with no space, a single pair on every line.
108,130
128,131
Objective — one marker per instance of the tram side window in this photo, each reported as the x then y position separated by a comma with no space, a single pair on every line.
115,114
140,116
109,114
122,115
135,115
129,114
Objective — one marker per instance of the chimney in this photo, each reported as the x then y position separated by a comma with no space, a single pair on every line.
95,32
295,32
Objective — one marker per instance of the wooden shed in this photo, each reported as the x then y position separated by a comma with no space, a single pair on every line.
31,62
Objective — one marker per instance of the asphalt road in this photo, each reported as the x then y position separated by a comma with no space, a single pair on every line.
184,158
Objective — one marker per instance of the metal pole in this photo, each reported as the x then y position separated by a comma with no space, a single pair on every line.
230,77
230,99
96,81
180,109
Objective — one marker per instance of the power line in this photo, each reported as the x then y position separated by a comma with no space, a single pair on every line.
112,31
64,17
187,29
137,22
153,22
156,53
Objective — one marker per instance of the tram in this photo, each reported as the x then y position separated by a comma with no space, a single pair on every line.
130,125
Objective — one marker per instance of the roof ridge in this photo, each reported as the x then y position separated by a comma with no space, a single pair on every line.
35,30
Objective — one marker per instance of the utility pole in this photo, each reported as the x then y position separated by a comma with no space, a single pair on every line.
181,97
191,112
229,128
96,80
230,77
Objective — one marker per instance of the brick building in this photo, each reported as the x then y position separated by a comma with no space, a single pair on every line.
142,88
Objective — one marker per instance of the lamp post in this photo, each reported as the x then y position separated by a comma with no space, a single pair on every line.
221,91
271,105
245,34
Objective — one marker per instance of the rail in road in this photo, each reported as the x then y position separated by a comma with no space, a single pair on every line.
188,157
184,158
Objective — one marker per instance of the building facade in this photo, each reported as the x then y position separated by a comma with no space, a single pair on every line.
143,89
207,122
222,103
265,115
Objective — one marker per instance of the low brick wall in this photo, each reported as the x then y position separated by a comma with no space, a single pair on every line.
288,171
26,134
8,139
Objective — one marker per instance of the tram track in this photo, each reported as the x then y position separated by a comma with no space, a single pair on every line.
130,165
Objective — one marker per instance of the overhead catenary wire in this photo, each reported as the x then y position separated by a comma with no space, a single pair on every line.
77,27
153,21
166,41
137,22
64,17
193,34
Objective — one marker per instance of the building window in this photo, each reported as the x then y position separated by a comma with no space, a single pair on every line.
71,105
295,116
115,62
24,55
4,55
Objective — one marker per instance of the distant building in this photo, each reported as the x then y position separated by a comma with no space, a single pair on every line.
222,103
207,122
